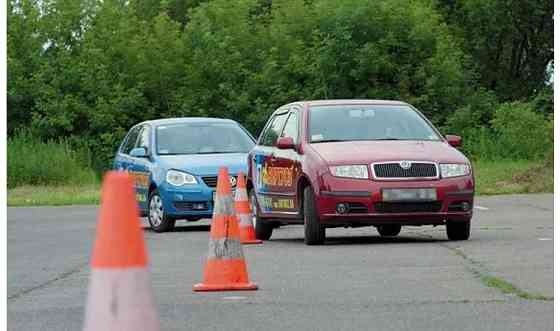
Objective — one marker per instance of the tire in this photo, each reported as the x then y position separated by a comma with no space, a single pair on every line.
314,232
157,217
263,229
458,230
389,230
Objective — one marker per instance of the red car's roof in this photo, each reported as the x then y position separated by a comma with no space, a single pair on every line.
334,102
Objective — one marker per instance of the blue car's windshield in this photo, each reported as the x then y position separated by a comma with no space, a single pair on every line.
202,138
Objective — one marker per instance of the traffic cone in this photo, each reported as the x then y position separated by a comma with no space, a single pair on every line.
246,229
225,268
120,296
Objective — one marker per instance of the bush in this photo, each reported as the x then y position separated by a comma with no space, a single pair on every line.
33,162
477,112
516,131
521,133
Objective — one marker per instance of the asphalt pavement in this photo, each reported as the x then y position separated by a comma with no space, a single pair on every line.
500,279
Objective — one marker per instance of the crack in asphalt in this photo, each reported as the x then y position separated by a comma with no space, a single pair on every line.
481,272
45,284
489,280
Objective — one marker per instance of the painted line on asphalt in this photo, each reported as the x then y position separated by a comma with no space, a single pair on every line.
545,239
480,207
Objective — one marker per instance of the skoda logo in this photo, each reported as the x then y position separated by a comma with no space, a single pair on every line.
405,164
232,181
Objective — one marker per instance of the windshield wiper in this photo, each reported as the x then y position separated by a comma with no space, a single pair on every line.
220,152
389,139
328,141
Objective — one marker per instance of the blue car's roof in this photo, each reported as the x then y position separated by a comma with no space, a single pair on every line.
175,120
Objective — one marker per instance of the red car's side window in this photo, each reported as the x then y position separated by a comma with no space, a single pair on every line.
272,132
291,127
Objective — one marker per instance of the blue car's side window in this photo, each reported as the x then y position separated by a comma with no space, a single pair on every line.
131,140
144,139
122,161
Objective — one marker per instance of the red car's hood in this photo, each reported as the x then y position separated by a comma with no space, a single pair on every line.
365,152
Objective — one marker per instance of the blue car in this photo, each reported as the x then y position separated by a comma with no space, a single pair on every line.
175,163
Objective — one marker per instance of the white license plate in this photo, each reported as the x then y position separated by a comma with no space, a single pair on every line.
409,194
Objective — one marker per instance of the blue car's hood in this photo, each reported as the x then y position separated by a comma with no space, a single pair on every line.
206,164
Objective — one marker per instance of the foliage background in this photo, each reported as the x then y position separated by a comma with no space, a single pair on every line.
85,71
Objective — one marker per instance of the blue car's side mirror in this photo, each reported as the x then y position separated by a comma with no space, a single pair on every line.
139,152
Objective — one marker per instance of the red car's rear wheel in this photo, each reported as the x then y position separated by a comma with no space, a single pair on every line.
263,229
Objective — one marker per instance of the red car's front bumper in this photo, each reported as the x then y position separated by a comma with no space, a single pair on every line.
366,206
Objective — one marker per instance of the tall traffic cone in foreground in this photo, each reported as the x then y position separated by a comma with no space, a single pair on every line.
225,268
120,296
246,229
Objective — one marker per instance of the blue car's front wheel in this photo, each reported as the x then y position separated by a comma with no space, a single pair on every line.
158,218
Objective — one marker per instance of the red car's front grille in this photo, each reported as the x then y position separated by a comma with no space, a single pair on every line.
415,170
357,207
408,207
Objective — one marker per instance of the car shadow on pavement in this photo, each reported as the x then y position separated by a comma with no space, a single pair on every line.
363,240
192,228
187,228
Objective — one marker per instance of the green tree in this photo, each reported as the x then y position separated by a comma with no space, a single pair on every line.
510,41
243,68
177,10
25,42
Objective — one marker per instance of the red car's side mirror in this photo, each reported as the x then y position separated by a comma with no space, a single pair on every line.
454,140
285,143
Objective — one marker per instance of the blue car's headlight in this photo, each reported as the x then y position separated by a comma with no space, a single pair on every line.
179,178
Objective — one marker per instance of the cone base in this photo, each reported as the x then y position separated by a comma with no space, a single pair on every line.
225,287
251,242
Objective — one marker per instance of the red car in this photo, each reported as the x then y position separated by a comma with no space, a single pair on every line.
352,163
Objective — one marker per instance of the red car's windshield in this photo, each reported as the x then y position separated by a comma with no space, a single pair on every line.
368,122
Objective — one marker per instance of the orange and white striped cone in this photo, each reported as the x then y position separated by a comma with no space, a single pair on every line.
225,268
120,295
246,230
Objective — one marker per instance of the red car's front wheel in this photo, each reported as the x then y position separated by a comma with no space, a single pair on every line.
458,230
314,232
389,230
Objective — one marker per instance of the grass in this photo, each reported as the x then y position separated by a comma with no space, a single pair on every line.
508,288
49,172
32,161
53,195
510,177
